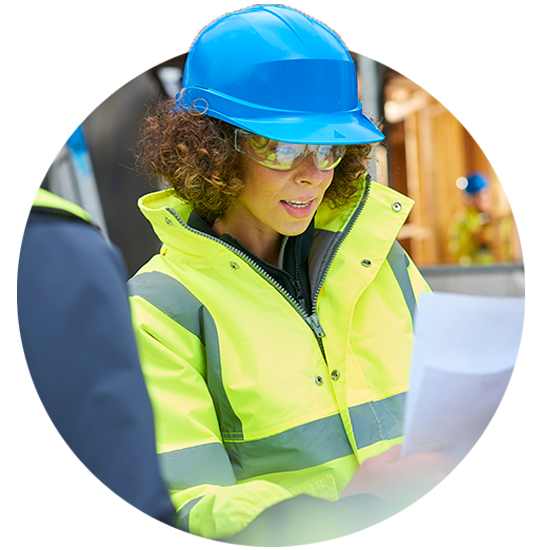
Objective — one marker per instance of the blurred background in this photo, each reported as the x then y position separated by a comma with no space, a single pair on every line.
461,232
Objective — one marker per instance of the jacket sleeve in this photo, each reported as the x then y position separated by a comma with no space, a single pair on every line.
418,283
194,464
408,277
87,472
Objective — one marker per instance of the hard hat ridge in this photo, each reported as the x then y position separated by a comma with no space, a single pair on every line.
273,71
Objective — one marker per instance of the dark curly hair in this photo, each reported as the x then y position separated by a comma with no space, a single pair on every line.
194,153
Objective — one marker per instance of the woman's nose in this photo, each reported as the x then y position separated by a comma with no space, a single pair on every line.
307,172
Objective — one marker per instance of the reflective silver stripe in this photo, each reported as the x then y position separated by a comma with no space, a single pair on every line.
181,521
399,262
378,420
171,297
302,447
202,465
319,441
174,300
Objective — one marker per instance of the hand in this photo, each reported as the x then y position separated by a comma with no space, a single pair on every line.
400,481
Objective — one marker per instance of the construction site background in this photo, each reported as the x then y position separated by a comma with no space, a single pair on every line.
440,126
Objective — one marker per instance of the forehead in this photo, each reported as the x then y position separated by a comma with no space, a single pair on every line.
98,15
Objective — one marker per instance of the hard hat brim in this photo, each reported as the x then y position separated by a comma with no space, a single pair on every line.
330,129
334,128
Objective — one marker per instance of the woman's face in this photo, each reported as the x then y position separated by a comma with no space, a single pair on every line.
279,202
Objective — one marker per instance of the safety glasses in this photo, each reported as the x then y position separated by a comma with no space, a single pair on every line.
94,52
279,155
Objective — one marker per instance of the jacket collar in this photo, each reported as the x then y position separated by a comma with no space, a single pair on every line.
379,211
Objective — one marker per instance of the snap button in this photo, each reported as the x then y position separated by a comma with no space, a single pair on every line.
168,221
366,263
335,374
234,265
318,380
397,206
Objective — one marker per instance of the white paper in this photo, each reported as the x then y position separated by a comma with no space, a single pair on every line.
463,357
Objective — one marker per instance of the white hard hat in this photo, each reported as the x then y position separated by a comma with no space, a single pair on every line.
137,18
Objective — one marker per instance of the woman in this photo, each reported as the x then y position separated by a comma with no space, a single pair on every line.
275,326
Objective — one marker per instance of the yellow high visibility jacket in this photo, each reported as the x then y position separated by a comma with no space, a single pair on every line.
45,199
254,400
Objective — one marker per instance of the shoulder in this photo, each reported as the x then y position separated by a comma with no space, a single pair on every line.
64,246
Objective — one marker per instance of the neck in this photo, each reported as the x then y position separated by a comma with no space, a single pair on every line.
264,244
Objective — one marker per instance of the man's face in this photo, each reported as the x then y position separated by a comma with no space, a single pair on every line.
52,82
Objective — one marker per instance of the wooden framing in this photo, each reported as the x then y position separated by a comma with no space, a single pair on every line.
428,151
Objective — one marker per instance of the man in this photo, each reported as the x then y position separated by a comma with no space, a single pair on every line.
87,473
476,235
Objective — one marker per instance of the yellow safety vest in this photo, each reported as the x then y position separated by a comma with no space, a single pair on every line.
255,401
45,199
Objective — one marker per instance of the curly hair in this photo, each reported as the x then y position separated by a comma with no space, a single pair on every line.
195,154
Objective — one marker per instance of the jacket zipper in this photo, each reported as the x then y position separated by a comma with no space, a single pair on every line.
345,233
313,319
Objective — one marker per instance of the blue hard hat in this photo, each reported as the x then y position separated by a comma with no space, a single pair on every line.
476,182
275,72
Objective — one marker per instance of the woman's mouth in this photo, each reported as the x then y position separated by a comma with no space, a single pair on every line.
299,204
299,209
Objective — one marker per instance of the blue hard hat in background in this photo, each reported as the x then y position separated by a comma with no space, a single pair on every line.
278,73
476,182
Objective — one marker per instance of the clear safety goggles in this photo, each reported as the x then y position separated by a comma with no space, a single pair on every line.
94,52
279,155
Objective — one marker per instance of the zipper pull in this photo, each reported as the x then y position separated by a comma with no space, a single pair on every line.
314,323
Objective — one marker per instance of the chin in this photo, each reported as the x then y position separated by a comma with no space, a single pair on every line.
294,231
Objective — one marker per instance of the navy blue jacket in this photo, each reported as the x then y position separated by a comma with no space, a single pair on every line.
79,344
